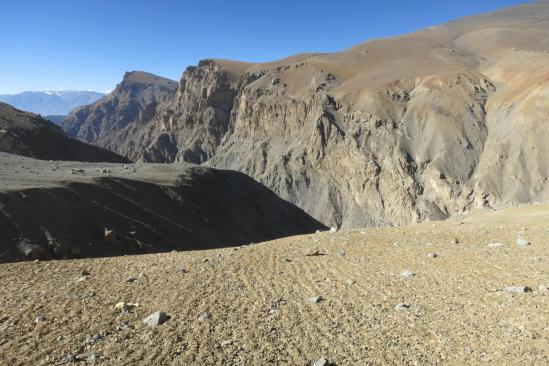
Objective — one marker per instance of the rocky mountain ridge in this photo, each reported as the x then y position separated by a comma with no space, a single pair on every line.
389,132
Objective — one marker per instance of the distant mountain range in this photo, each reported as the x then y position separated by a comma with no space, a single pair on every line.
55,102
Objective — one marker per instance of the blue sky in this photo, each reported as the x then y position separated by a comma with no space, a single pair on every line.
89,44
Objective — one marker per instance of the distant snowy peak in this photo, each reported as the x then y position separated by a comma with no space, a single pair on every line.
51,102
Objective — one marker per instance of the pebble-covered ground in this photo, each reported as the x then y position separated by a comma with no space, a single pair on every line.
454,292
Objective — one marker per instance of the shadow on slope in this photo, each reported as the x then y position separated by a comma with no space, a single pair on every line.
206,208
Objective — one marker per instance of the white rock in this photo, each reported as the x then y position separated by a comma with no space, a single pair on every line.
518,289
432,255
315,299
522,242
205,316
543,290
495,245
407,274
402,306
321,362
333,229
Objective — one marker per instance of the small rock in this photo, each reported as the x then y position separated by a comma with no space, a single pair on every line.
226,343
205,316
333,229
518,289
205,260
455,241
495,245
84,273
340,253
40,319
432,255
543,290
522,242
93,357
313,253
321,362
156,319
350,282
402,306
315,299
407,274
125,306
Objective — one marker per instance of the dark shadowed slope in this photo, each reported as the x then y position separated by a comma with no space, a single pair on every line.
27,134
62,209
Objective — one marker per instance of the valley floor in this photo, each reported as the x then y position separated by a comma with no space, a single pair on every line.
252,305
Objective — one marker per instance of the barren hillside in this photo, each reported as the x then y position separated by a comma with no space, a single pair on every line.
28,134
464,291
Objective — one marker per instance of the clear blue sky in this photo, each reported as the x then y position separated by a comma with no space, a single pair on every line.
89,44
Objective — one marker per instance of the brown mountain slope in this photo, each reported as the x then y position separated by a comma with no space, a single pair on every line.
28,134
392,131
62,209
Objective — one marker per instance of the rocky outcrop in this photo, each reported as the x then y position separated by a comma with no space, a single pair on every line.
28,134
117,121
389,132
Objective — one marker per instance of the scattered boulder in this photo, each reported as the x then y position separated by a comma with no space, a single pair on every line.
407,274
30,250
333,229
125,306
401,306
156,319
495,245
314,252
321,362
316,299
39,319
432,255
205,316
518,289
226,343
521,242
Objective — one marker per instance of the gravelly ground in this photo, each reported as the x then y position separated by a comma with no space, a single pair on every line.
258,299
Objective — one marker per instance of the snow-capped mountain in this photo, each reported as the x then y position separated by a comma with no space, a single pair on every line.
53,102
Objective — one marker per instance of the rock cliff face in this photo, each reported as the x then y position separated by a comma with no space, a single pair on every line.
392,131
116,122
